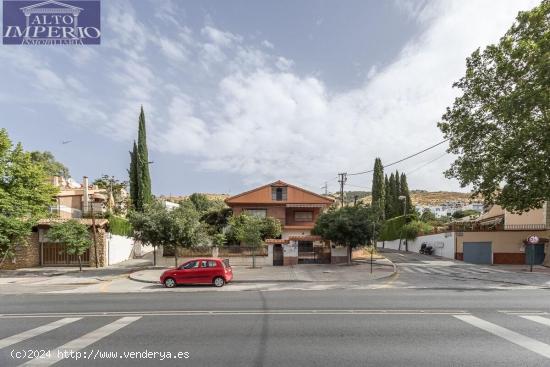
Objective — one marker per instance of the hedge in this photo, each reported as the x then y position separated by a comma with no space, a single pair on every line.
120,226
391,229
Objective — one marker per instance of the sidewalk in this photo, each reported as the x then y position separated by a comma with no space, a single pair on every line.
359,271
71,275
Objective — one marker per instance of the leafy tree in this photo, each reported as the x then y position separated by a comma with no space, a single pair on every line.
427,216
500,124
116,188
270,228
51,166
412,230
175,228
74,235
248,230
348,226
217,220
201,202
378,189
218,239
25,195
140,179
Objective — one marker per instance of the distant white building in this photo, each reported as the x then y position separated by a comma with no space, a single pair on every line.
449,208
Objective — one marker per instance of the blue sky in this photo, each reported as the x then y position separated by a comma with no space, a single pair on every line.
241,93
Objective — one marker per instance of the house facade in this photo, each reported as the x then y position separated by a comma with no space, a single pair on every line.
76,200
500,237
40,251
297,209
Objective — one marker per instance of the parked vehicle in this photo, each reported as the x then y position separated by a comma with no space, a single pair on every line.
199,271
426,250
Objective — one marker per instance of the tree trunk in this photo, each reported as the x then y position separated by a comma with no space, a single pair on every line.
349,255
80,262
154,255
400,244
253,257
175,257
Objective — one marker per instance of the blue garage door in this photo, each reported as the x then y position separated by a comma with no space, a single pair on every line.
478,252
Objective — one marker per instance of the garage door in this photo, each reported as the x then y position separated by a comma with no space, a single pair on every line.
478,252
534,253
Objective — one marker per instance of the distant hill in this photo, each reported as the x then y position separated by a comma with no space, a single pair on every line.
422,197
418,197
210,196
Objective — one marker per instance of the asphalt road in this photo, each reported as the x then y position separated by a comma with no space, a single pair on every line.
384,327
444,314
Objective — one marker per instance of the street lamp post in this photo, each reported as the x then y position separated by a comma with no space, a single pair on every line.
404,198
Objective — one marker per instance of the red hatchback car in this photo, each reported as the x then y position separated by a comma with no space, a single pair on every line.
199,271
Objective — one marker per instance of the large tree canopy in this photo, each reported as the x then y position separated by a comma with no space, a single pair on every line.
500,125
25,194
51,166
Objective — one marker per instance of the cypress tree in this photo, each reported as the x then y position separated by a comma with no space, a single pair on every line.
144,177
397,204
387,198
378,190
392,196
132,173
404,186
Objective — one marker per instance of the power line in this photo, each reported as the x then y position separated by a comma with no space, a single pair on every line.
400,160
425,164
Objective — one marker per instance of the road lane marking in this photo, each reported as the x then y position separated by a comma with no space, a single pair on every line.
14,339
523,341
82,342
539,319
244,312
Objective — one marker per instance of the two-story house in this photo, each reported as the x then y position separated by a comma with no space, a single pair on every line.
297,209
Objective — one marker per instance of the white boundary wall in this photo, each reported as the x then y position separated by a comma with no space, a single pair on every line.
119,248
443,244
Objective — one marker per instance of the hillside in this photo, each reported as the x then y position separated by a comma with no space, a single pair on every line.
421,197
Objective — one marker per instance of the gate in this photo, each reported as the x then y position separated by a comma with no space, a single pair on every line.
478,252
305,252
277,255
534,253
54,254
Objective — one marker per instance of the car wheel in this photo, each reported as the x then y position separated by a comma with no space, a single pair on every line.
218,282
169,283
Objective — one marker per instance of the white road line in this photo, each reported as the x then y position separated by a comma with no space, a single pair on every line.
82,342
539,319
439,271
422,270
14,339
407,270
516,338
496,270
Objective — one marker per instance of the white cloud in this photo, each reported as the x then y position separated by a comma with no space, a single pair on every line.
272,123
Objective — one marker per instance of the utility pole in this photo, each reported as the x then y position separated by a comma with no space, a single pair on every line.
342,178
91,207
325,187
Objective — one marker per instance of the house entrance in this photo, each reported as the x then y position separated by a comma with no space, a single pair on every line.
277,255
305,252
54,254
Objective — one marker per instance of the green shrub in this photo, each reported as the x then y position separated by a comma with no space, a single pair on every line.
120,226
391,229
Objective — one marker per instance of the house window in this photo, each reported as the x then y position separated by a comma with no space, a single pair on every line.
258,213
303,216
278,193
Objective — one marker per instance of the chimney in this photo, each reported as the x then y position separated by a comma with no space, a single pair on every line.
85,195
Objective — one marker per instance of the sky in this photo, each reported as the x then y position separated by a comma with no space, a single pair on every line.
240,93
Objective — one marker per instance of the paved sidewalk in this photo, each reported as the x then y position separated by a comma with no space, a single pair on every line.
359,271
